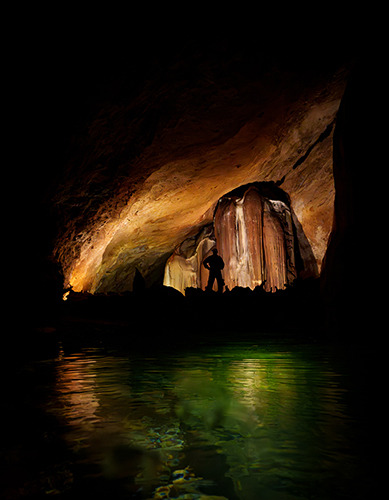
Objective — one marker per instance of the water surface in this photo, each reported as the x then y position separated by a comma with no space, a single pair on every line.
238,420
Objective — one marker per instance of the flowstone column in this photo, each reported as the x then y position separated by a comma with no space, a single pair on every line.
238,231
255,238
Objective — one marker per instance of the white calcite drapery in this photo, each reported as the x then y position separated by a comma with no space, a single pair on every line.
184,268
254,236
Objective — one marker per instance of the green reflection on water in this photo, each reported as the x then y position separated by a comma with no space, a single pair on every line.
250,421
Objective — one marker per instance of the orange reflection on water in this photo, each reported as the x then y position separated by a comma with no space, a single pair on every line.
76,387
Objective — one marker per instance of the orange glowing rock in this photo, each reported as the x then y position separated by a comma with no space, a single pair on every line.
278,245
128,197
184,268
255,238
238,228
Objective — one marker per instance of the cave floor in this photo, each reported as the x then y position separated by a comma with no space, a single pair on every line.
165,314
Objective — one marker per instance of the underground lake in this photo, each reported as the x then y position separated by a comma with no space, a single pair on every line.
274,419
154,178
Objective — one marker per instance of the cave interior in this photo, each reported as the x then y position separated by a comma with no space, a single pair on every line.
209,144
137,155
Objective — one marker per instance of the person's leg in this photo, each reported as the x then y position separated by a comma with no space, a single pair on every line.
211,280
220,283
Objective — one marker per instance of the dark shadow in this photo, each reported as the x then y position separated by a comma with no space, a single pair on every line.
268,189
139,284
306,264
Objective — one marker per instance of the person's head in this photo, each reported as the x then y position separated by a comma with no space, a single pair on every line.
214,251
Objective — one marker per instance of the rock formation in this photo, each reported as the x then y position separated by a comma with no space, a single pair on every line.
255,237
278,245
184,268
239,235
148,168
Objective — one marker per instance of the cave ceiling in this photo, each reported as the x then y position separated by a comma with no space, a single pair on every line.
149,163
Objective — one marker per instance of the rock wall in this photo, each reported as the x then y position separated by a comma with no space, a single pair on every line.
352,305
148,167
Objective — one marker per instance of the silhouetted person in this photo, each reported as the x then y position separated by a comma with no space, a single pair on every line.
214,263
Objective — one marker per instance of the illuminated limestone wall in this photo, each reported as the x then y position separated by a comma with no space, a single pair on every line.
254,236
145,172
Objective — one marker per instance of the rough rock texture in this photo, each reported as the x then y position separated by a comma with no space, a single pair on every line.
149,168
